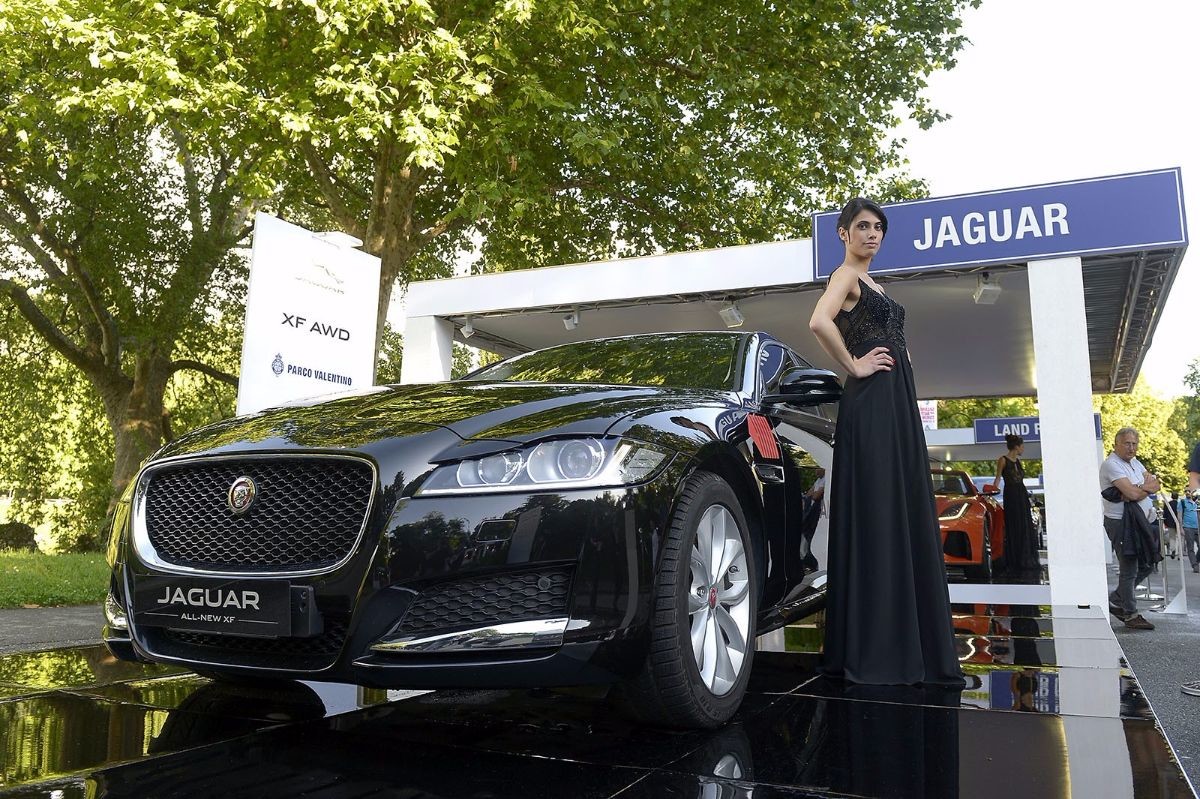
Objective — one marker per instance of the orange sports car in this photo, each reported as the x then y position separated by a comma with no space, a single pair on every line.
972,523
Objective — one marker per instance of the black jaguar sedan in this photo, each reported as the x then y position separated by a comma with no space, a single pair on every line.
630,510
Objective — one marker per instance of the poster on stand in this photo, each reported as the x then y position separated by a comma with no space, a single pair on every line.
310,316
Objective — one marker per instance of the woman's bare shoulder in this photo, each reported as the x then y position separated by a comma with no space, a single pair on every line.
843,274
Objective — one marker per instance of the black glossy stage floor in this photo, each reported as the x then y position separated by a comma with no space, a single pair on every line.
1051,711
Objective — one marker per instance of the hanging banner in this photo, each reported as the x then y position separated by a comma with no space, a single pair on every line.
928,410
310,316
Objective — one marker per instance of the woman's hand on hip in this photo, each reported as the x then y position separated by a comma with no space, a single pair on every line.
877,360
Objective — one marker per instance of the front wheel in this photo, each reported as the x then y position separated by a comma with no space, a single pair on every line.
702,622
986,568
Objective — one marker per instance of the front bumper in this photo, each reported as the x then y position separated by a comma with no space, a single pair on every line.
448,592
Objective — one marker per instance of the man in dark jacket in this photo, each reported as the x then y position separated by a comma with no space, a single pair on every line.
1124,472
1193,491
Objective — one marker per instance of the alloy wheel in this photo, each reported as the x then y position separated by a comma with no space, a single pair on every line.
719,600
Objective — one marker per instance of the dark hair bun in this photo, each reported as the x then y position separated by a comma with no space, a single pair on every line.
1013,441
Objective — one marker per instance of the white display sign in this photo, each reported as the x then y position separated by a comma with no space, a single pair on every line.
310,316
928,409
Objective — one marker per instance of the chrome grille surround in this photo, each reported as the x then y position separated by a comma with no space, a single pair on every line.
147,552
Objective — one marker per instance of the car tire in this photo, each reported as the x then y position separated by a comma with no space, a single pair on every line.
703,611
987,570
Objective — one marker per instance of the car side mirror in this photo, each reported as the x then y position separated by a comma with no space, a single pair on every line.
989,490
805,387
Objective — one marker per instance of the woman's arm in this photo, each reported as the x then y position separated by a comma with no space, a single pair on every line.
999,471
830,338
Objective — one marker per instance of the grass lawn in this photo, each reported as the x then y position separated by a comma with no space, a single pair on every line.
35,579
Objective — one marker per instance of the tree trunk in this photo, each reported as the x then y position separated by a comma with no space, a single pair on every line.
392,267
135,414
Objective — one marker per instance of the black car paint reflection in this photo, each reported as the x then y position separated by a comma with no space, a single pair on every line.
691,397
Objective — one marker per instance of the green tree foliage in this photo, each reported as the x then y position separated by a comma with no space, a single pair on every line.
117,237
1160,448
552,132
1185,416
963,412
137,139
55,447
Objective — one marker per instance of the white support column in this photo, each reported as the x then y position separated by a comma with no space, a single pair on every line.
428,350
1074,532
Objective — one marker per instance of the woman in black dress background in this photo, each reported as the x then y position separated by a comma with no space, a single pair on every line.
887,610
1020,539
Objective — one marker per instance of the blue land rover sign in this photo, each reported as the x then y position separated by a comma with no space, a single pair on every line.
993,429
1122,213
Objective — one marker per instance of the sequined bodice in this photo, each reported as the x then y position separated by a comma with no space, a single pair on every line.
876,317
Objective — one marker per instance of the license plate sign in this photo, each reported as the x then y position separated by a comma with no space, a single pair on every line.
258,608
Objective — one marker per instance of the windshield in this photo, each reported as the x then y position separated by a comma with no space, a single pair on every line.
682,360
954,485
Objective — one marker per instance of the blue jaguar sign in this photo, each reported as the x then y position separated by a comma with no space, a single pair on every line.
1109,214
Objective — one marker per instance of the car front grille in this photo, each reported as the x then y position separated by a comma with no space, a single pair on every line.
327,643
277,654
306,515
495,599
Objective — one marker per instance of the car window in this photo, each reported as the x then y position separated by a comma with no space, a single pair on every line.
773,361
686,360
950,485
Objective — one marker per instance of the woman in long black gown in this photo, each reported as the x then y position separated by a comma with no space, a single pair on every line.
1020,539
887,616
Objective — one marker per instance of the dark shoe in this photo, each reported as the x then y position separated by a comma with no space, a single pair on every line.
1137,622
1196,568
1117,611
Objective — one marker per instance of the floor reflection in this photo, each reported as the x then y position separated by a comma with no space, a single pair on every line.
73,666
1001,576
1044,685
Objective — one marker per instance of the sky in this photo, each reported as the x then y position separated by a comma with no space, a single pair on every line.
1052,90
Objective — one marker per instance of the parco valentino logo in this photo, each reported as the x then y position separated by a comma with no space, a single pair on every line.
277,365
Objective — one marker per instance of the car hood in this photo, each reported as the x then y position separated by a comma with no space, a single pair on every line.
473,411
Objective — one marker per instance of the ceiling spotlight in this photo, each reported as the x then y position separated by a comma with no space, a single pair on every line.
571,320
468,329
731,316
987,290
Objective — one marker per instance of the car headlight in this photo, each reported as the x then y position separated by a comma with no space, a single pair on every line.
954,511
562,463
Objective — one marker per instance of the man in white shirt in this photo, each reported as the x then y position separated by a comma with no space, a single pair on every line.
1193,492
1123,470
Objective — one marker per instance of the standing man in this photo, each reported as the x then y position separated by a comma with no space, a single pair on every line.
1123,471
1193,493
1170,531
1191,530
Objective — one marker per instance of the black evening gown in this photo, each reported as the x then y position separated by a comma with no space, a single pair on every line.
887,611
1020,539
